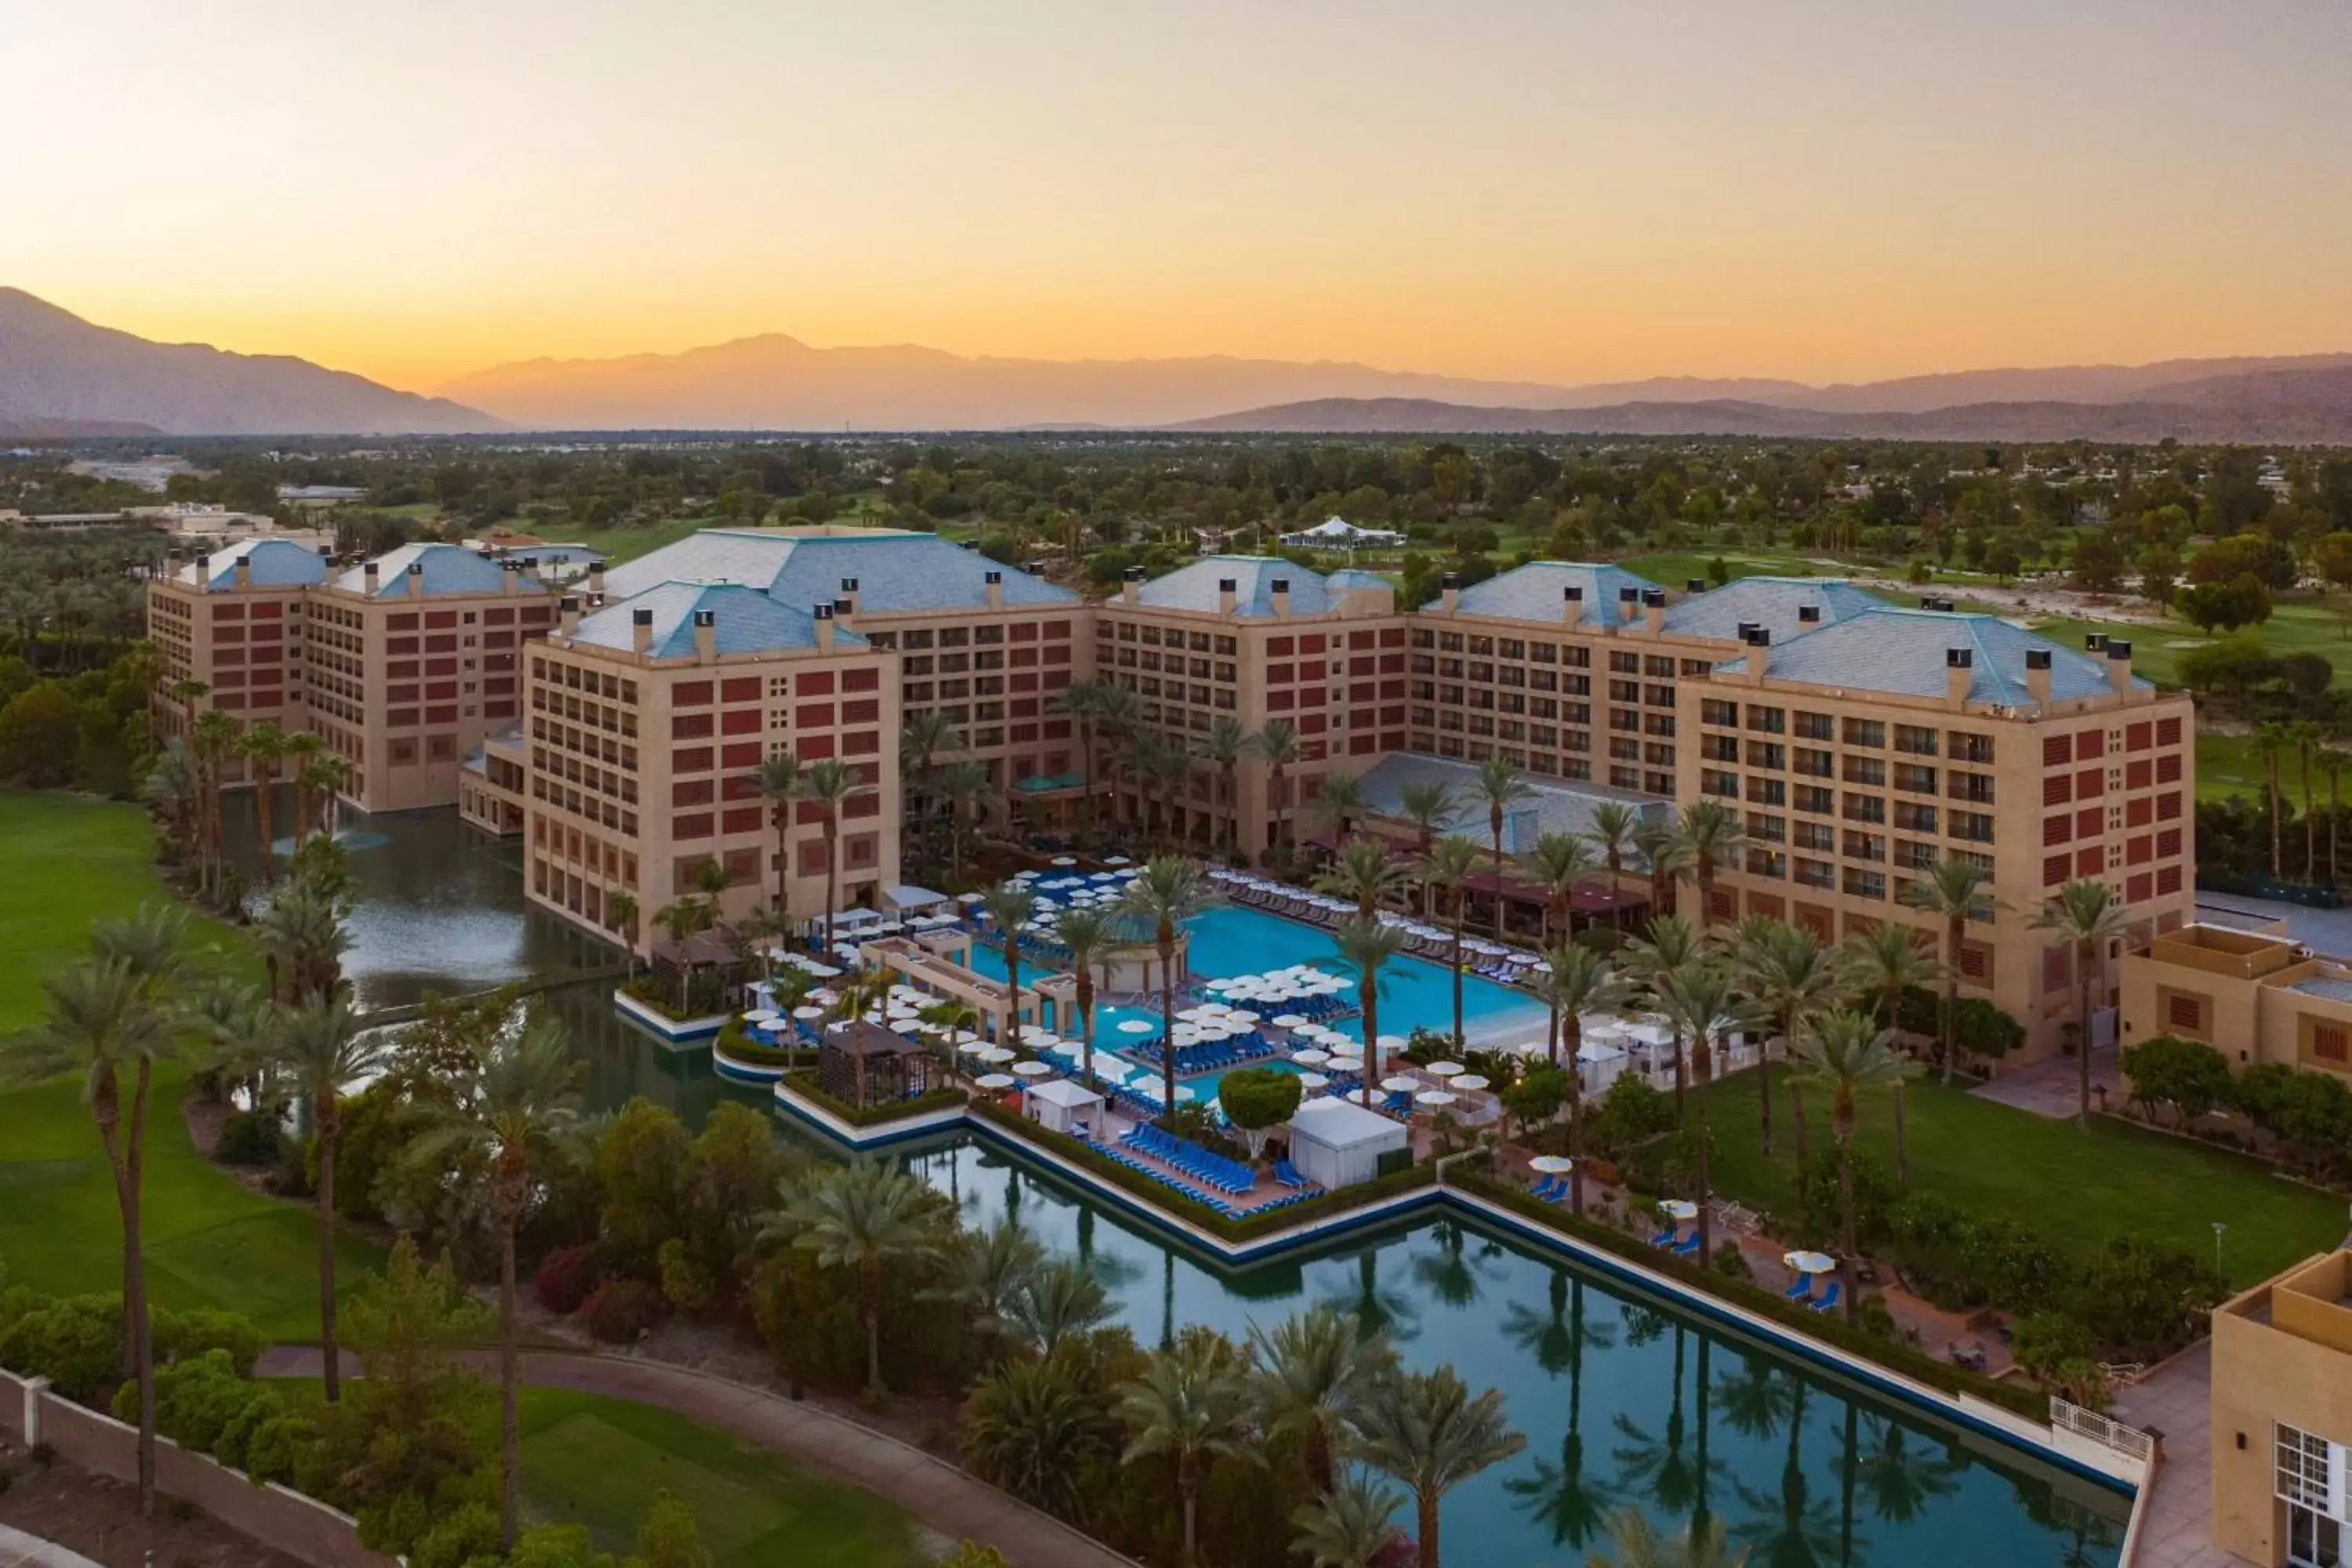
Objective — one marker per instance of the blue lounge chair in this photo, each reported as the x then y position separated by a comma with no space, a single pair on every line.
1664,1238
1550,1189
1828,1299
1688,1246
1802,1289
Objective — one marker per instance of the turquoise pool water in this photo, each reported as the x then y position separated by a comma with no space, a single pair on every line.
1623,1401
1229,941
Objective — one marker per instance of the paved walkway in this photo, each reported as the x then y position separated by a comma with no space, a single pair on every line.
18,1550
2053,1087
932,1490
2178,1401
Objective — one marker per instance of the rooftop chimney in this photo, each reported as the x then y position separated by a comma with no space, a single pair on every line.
1279,592
1760,653
567,611
369,571
1809,614
640,629
510,576
1571,605
1693,585
1748,631
416,569
244,571
993,583
1959,674
1227,587
1928,602
706,633
596,579
1130,584
2119,664
2037,675
1629,600
1653,608
823,616
1450,597
326,553
844,607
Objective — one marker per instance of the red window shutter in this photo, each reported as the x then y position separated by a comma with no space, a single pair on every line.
2167,806
2167,880
2141,889
2090,863
2056,749
2053,870
2168,731
2057,827
2056,789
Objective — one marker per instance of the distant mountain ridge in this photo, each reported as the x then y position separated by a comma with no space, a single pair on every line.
63,374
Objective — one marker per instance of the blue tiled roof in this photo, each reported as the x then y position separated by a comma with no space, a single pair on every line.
447,569
895,573
1901,652
1551,806
1194,586
743,620
1532,592
1772,601
271,563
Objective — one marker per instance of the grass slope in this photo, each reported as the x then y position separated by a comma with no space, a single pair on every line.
598,1462
2073,1187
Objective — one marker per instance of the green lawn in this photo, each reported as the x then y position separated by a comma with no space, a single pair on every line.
210,1243
1675,568
2074,1187
598,1462
622,542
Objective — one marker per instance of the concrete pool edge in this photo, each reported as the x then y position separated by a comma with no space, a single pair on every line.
671,1029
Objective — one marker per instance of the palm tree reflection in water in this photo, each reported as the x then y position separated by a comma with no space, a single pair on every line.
1574,1508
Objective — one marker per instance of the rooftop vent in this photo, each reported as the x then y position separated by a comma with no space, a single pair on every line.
1693,585
1653,598
1809,614
1960,657
2095,642
2037,658
1573,593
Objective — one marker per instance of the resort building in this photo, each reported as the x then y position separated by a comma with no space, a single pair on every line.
2281,1417
2256,996
233,619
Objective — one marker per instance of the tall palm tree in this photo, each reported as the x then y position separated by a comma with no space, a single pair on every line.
682,921
1118,711
1366,946
1711,834
260,747
303,751
1882,964
1093,936
1845,1054
1276,746
1166,892
778,781
1059,1301
1558,864
1499,787
2334,764
1190,1405
1451,863
101,1019
1699,999
1009,906
1363,873
860,1215
987,1271
322,779
1641,1546
1347,1526
517,1112
1672,943
1082,699
1431,808
1954,892
1789,973
1579,980
1615,824
1312,1370
175,790
1035,1428
621,916
1225,744
1339,800
304,941
1665,855
2269,741
2088,915
1167,766
829,784
1427,1430
213,741
323,1050
963,785
2307,738
954,1019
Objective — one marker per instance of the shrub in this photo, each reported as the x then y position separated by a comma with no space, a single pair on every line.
1629,1113
566,1276
685,1283
1875,1196
2189,1076
76,1342
184,1335
621,1311
204,1404
1257,1099
250,1138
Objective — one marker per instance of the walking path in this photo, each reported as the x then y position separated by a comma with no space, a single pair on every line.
2053,1088
2178,1400
934,1491
18,1550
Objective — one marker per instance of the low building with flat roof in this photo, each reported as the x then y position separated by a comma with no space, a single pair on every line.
2282,1422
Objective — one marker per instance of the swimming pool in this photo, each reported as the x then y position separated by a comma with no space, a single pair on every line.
1229,941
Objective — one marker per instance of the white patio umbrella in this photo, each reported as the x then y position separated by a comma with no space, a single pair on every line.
1679,1208
1394,1043
976,1046
1242,1017
995,1080
1809,1262
761,1015
1064,860
1445,1070
993,1055
1288,1021
808,1013
1134,1026
1437,1097
1552,1164
1032,1069
1470,1081
1310,1057
1400,1084
1345,1064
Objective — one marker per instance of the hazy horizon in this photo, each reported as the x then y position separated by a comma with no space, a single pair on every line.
1495,189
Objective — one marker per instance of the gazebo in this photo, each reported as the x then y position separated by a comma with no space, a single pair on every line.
864,1063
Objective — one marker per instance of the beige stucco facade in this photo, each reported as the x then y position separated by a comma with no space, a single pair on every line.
2256,997
2282,1415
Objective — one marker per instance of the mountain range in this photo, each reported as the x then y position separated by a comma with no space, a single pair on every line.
61,376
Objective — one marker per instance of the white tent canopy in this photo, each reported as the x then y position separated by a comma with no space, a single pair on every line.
1059,1101
1339,530
1337,1144
908,899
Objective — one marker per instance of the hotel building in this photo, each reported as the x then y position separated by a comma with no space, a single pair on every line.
2281,1417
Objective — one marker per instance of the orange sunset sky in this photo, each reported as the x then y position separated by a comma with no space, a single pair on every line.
1573,191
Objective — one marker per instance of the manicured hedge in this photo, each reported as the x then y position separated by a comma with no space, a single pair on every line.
1917,1365
735,1042
804,1083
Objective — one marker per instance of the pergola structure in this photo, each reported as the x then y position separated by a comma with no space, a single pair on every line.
865,1063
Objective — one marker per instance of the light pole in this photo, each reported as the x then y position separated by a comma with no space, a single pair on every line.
2217,1228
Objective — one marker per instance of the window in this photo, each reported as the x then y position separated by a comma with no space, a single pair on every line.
2184,1012
2330,1043
2302,1471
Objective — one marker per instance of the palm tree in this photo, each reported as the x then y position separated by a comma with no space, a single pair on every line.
175,790
1225,744
1671,944
2269,741
1711,834
1615,824
954,1020
260,746
1339,801
2334,764
828,785
1313,1369
1426,1429
1009,906
1277,747
778,781
987,1269
1190,1405
1558,863
1347,1526
1363,872
304,941
963,785
1059,1301
1168,891
1500,787
303,751
1431,808
101,1019
1449,866
1882,964
860,1215
2089,915
1167,766
1640,1546
1580,981
1034,1428
1365,946
324,1050
620,915
1118,711
213,741
1663,852
2306,737
1902,1480
1953,892
1699,998
1789,973
1093,937
517,1112
322,777
682,921
1846,1053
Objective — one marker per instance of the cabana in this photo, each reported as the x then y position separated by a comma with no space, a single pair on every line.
908,899
1061,1105
1335,1143
864,1064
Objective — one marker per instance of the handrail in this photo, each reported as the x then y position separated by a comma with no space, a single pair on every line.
2129,1441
